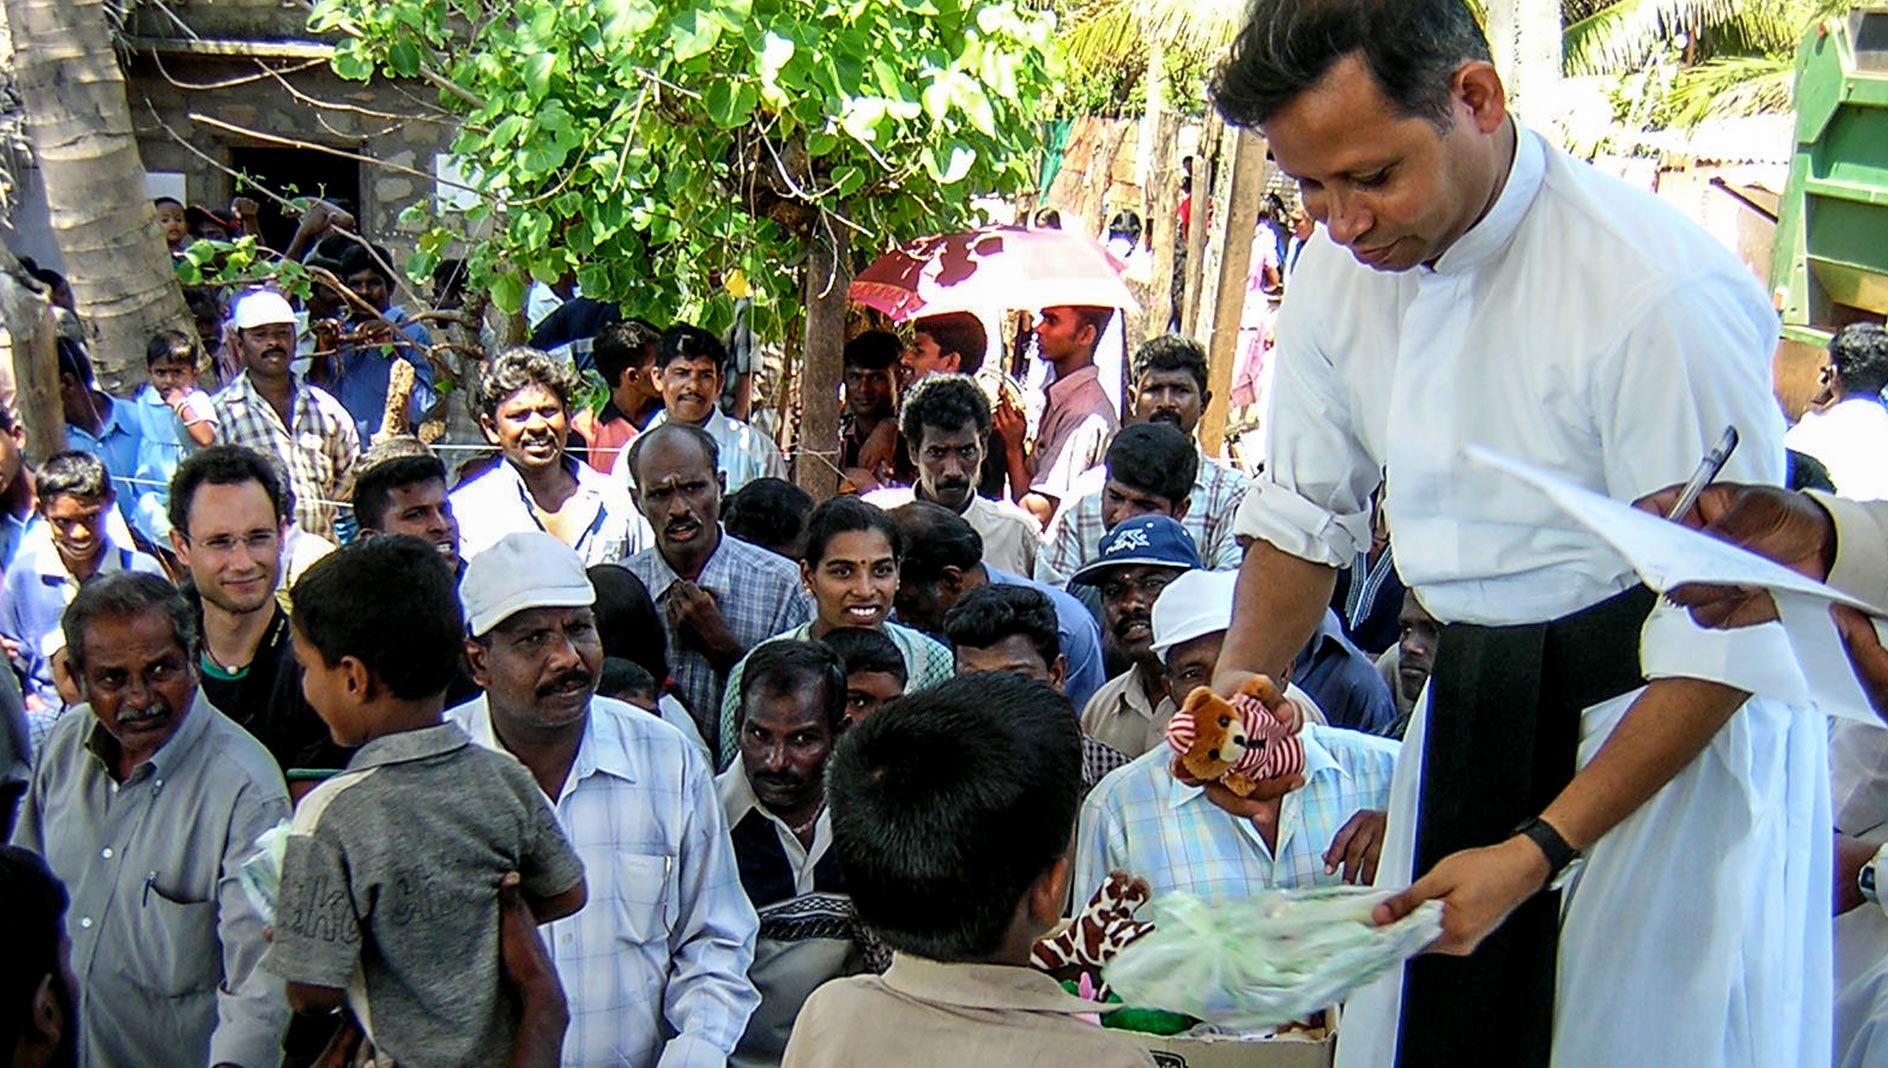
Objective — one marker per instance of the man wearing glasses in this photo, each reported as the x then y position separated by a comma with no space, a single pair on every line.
228,513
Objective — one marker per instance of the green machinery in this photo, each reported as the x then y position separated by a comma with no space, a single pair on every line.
1830,264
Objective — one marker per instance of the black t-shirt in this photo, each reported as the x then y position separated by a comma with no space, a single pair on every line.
265,698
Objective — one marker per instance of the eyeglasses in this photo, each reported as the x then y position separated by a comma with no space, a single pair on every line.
258,542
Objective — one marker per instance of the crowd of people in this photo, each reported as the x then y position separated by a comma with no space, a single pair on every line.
602,743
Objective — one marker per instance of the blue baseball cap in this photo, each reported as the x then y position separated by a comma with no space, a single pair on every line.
1145,539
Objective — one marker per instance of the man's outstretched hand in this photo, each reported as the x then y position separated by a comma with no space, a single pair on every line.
1783,525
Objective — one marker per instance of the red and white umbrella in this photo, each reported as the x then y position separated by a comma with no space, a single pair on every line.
1001,267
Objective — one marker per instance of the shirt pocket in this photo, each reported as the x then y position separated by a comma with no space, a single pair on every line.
640,889
178,952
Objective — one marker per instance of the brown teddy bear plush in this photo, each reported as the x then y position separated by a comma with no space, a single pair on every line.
1238,742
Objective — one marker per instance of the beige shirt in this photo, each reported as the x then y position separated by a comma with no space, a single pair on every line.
922,1013
1120,715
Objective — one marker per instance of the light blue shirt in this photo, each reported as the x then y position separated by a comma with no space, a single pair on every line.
664,945
164,444
1143,820
116,444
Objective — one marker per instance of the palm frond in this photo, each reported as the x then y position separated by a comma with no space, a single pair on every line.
1102,32
1731,86
1622,35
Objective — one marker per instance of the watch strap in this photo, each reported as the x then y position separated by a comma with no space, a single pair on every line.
1555,848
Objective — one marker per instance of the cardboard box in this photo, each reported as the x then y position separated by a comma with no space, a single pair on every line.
1297,1049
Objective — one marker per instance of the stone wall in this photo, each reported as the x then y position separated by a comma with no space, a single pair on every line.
166,89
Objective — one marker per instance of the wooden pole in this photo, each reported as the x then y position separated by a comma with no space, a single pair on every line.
1203,155
816,467
1235,217
1160,212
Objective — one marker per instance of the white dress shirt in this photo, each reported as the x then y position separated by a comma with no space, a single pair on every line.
1585,327
664,945
1851,440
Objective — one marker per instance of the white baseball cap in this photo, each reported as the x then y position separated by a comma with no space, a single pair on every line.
261,307
1195,604
528,569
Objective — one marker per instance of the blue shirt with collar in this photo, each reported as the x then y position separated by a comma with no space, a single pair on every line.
1343,681
117,443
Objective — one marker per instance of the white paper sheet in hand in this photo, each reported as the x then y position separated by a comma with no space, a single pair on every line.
1666,554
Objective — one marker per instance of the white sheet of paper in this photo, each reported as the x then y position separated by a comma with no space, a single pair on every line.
1666,554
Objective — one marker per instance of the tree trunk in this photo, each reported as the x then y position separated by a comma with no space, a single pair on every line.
1235,199
816,467
33,359
105,225
1525,36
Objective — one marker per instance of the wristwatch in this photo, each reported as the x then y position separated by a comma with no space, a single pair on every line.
1559,854
1869,879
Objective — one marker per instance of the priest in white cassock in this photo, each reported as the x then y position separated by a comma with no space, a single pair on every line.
1633,853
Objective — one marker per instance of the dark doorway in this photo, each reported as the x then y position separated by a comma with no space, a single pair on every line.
291,173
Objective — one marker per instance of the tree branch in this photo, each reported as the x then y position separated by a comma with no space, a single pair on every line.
291,142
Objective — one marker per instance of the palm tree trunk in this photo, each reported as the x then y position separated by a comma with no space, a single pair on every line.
103,222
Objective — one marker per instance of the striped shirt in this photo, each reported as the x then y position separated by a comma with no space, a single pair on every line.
927,663
1076,530
1143,820
318,446
759,595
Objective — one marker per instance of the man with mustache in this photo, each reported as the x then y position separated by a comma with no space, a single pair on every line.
655,966
145,802
1170,389
946,421
793,708
1134,563
228,516
720,596
271,411
692,365
525,398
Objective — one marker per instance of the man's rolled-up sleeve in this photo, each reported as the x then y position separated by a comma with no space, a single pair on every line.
1313,498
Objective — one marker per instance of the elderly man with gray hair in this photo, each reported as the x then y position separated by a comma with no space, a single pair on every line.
145,802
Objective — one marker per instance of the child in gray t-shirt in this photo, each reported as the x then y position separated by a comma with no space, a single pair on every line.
389,896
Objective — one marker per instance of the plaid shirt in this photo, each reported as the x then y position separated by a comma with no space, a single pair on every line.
318,447
1145,821
1077,528
759,595
927,663
664,946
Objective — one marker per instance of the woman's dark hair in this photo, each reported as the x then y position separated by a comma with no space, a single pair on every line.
1154,458
841,515
948,804
391,603
1412,49
628,622
223,465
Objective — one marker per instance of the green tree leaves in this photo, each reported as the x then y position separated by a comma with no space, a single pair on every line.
658,147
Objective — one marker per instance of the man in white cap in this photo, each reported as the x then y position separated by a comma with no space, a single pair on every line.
267,409
1207,841
665,945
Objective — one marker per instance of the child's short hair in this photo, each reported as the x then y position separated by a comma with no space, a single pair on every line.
73,473
391,603
948,804
171,345
395,463
624,679
867,650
